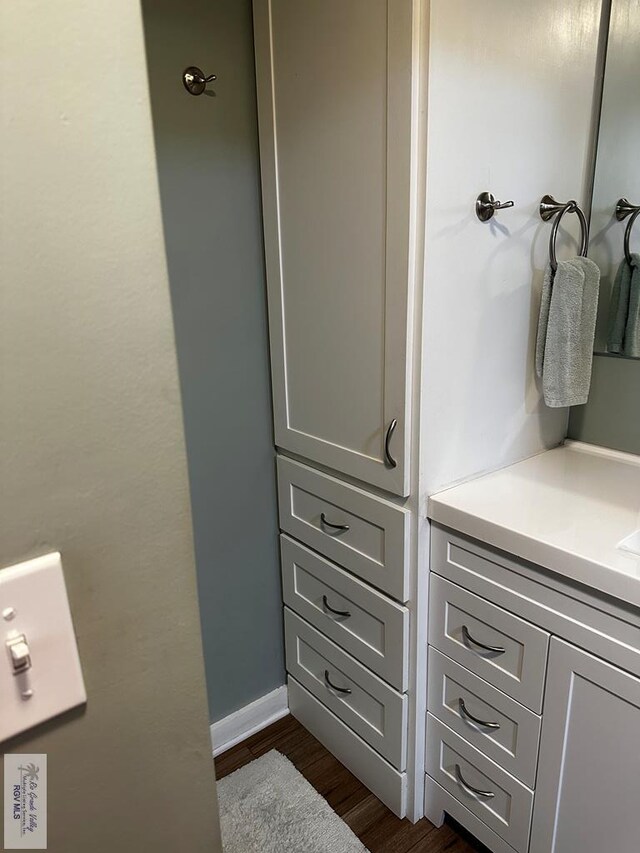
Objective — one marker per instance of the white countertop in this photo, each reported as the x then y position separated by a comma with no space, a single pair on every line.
566,509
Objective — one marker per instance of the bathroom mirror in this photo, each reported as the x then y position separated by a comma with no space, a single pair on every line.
617,176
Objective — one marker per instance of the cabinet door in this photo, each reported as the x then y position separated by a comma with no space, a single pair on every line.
588,787
335,117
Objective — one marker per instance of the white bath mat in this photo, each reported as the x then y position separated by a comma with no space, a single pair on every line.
268,807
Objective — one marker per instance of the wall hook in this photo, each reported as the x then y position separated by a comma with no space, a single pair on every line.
195,81
486,206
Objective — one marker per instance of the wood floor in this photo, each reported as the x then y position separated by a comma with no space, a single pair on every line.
379,829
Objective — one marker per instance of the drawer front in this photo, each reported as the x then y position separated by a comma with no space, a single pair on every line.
437,801
494,644
501,801
365,763
367,624
364,533
363,701
503,729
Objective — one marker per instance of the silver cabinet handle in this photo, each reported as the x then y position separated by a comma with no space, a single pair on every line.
464,713
328,607
391,462
327,681
466,636
488,795
342,528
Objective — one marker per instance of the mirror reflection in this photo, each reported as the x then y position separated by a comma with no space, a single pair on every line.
615,215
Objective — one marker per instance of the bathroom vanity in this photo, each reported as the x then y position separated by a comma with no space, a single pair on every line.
533,722
370,191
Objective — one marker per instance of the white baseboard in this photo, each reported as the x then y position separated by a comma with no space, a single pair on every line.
249,720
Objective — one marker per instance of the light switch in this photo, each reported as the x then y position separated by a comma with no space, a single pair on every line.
40,673
19,651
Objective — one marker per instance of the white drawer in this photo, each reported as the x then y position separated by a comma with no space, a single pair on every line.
370,626
498,646
501,728
438,802
503,803
364,702
365,763
366,534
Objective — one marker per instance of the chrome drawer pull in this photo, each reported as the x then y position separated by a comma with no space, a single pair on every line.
488,795
328,607
464,713
327,681
466,636
341,528
391,462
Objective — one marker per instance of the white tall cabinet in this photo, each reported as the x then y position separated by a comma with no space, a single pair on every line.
341,123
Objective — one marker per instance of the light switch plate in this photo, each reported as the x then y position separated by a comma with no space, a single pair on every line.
34,603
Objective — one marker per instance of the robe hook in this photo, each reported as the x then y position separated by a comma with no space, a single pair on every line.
195,81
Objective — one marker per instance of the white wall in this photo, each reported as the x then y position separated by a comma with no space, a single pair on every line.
510,109
92,457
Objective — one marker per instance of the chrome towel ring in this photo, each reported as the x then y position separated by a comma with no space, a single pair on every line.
624,208
549,207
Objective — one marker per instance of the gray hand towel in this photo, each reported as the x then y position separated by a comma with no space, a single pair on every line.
632,326
566,332
543,322
620,305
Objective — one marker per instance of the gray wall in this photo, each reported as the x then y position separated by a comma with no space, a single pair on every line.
612,415
92,457
207,150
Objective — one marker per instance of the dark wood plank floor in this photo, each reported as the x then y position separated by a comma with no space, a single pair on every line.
379,829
